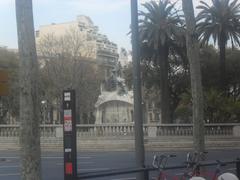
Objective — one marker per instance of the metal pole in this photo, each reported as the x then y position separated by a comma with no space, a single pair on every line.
138,116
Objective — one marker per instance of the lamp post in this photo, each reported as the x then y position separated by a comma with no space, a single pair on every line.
138,114
43,102
1,110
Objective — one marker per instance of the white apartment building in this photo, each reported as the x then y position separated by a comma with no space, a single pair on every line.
104,51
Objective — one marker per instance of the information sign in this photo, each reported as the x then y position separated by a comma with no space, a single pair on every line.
69,128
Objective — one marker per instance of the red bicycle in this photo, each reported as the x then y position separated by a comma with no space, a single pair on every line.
160,162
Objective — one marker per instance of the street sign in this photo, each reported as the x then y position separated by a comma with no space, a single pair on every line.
69,128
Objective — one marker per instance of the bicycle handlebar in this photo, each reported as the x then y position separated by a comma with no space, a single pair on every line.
161,161
195,157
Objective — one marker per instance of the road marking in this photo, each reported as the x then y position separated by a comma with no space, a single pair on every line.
9,157
55,157
85,157
16,174
2,160
95,169
61,164
179,174
47,157
15,166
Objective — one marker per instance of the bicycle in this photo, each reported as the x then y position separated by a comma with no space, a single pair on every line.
193,166
223,176
160,162
193,163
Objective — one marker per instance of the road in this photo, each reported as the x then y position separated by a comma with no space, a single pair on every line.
52,163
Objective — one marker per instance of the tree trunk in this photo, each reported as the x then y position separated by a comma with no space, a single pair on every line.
164,85
195,71
222,62
29,101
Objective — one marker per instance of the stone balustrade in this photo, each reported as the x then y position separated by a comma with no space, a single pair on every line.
114,130
9,130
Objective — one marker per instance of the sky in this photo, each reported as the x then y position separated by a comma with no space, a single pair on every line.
111,16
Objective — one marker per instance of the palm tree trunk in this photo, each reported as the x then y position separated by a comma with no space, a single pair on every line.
222,61
164,84
29,101
195,71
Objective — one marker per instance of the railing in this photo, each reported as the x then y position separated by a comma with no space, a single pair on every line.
125,130
9,130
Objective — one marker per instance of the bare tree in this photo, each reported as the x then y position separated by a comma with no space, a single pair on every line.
196,79
72,43
67,63
29,103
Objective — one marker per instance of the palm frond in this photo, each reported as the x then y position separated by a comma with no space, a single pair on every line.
222,16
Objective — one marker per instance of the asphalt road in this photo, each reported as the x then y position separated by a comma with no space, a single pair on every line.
52,163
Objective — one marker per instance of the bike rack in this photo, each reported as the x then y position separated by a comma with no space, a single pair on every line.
115,172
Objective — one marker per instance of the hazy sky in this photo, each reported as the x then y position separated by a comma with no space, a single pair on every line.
112,17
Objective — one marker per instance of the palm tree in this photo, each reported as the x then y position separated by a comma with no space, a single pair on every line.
159,27
221,23
29,96
196,77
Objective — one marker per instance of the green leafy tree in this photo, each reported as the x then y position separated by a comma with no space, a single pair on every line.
219,107
220,22
10,103
209,67
233,73
160,29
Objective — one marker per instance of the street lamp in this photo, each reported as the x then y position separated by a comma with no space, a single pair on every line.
138,115
44,102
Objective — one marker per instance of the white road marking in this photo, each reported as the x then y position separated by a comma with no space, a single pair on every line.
61,164
13,166
54,157
9,157
179,174
46,157
94,169
16,174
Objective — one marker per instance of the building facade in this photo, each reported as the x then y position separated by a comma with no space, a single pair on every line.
105,51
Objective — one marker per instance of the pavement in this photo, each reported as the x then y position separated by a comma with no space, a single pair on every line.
52,163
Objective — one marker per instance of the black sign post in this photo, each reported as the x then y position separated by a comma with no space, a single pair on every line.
69,129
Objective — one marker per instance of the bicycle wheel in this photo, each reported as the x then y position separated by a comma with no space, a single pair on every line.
227,176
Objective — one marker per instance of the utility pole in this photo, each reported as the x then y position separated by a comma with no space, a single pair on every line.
29,101
138,116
